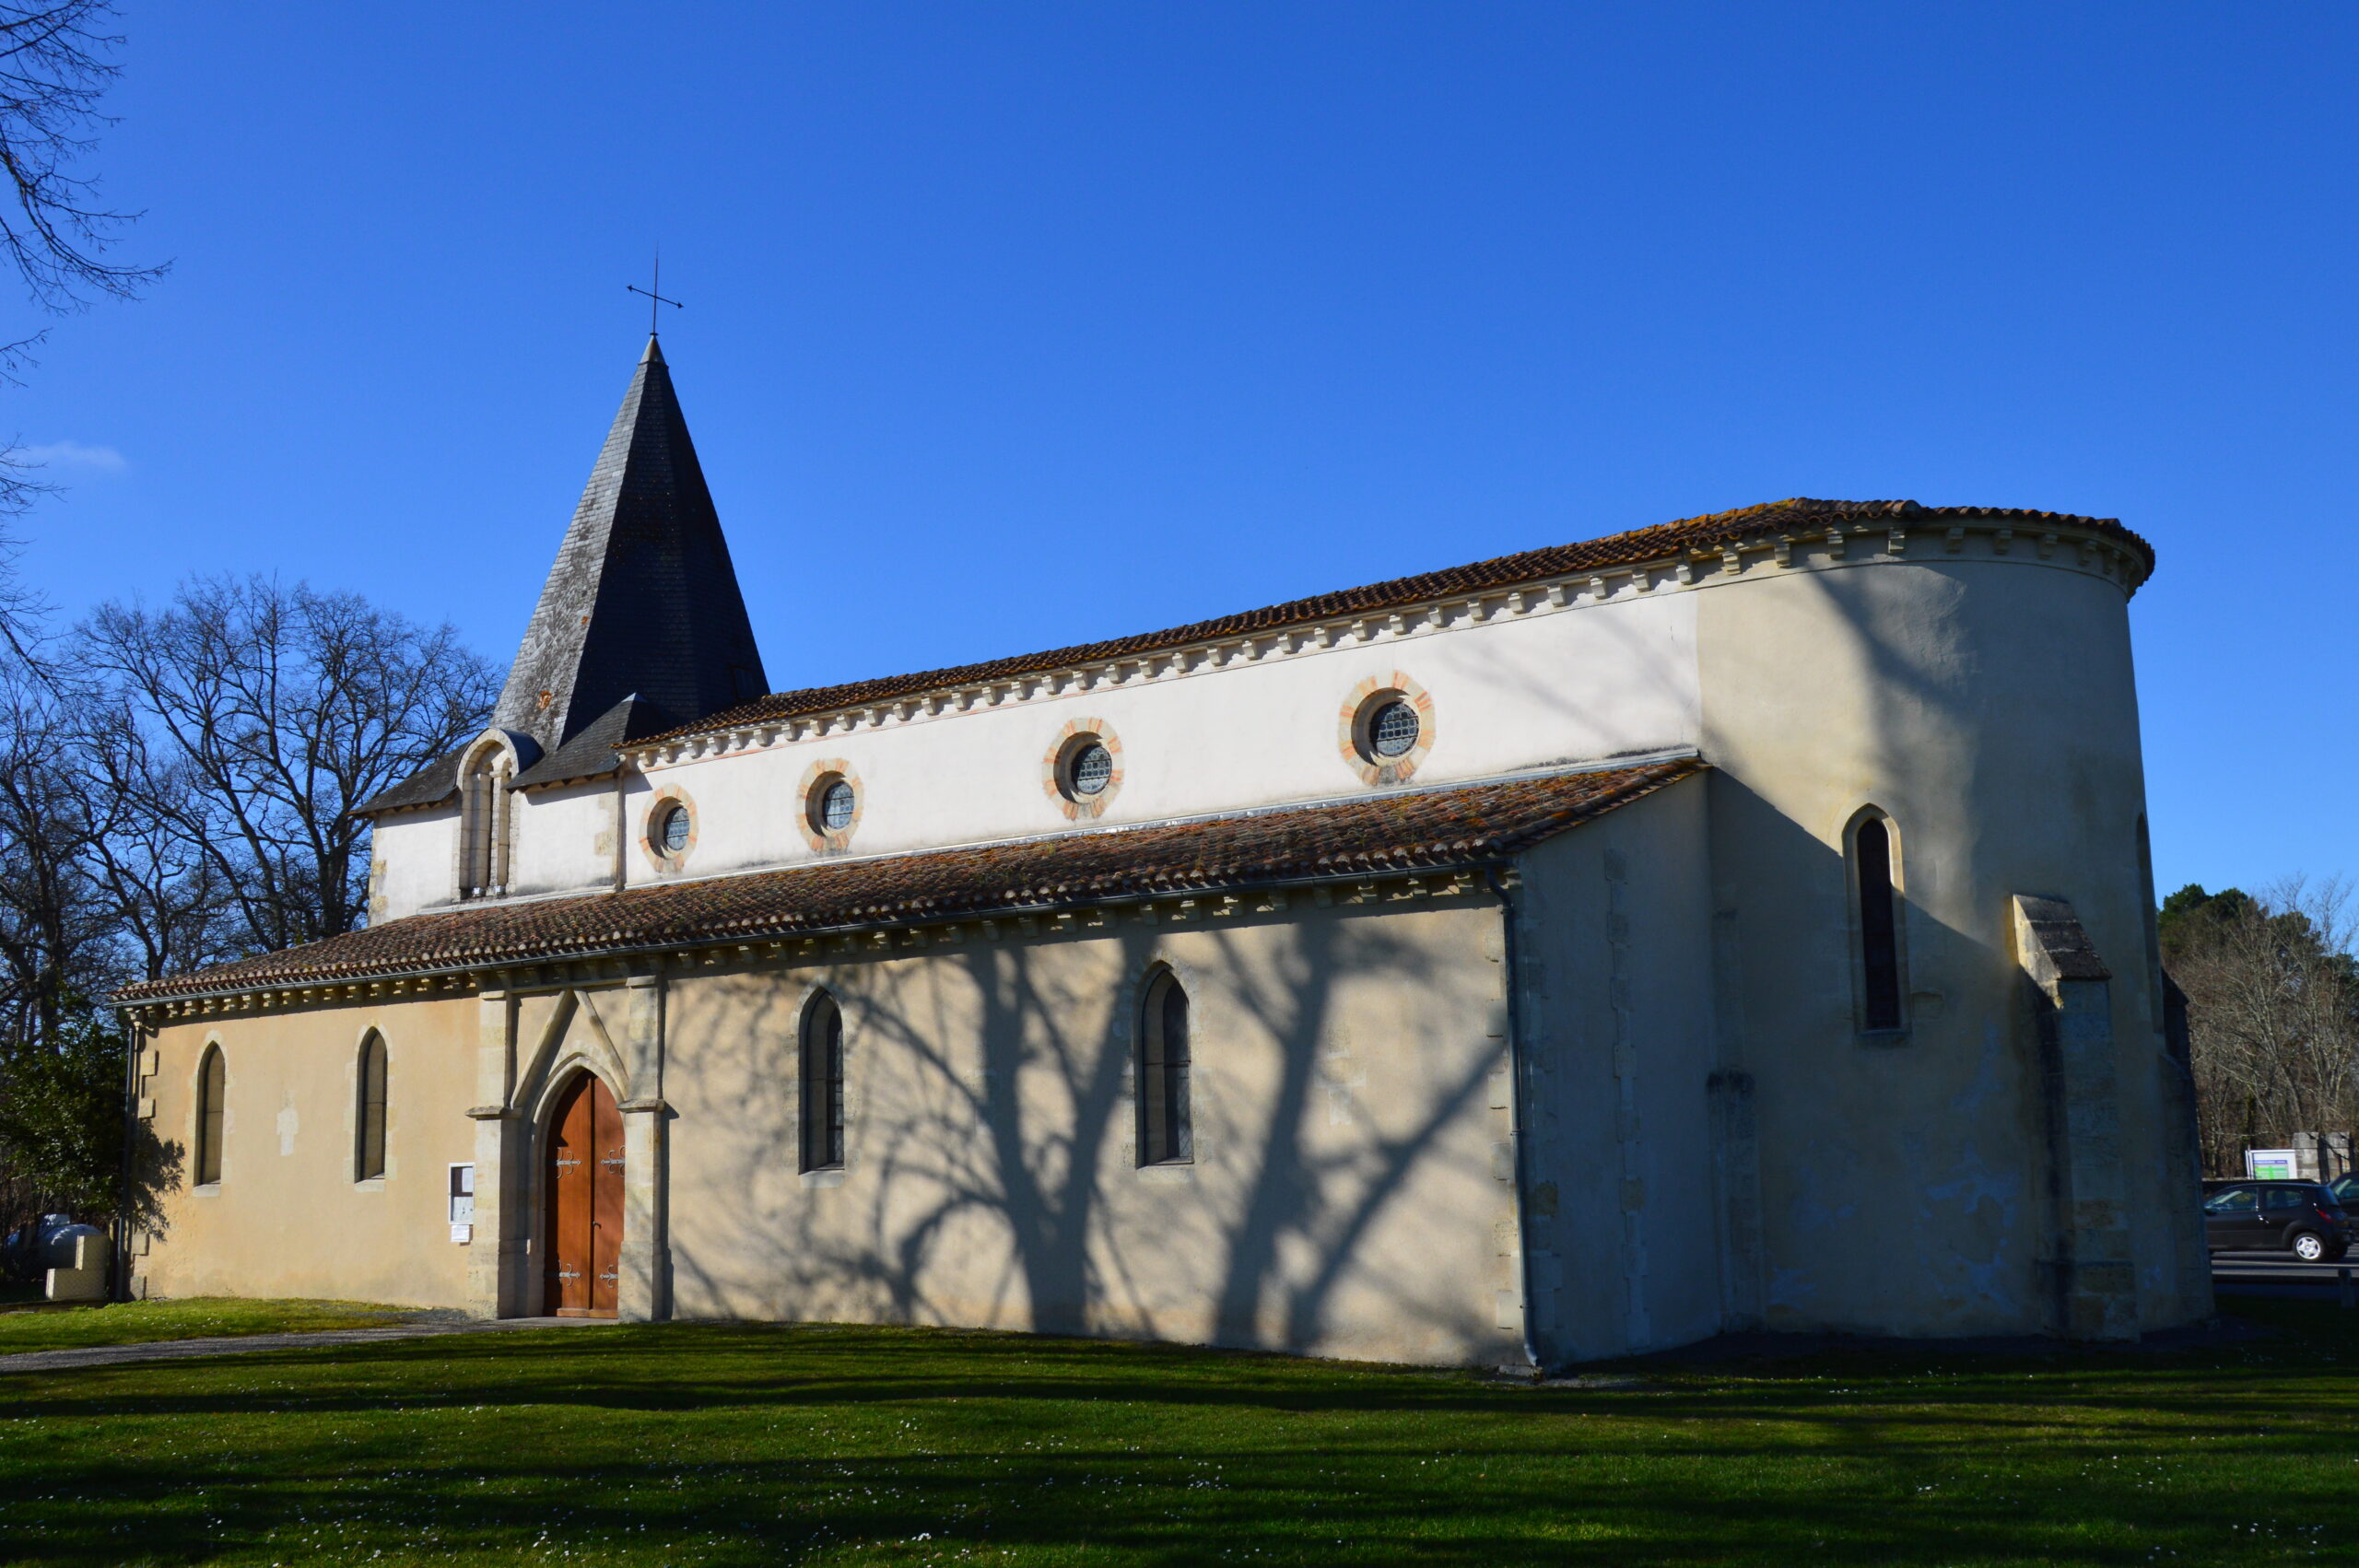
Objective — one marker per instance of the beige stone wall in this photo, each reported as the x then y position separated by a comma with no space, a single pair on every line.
1348,1196
1345,1198
1988,706
288,1218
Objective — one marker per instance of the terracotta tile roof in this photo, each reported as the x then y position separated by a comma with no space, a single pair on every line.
1655,543
1436,829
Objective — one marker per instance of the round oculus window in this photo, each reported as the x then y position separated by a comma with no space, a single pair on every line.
1392,729
1092,769
836,803
672,830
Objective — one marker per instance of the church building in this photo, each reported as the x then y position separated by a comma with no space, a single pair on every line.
1740,923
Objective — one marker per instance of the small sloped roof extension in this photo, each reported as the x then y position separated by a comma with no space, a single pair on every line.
1336,841
430,786
591,753
1658,543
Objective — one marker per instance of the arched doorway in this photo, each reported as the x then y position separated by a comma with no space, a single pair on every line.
584,1183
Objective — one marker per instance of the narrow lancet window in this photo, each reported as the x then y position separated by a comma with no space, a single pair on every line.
822,1085
1164,1134
370,1161
485,823
1879,927
212,1089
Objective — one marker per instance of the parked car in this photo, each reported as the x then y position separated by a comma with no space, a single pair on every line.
2346,1191
2300,1217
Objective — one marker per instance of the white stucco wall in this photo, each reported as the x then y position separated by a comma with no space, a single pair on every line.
1555,685
564,839
413,859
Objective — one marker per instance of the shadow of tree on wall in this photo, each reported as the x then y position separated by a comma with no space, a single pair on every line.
992,1143
159,1168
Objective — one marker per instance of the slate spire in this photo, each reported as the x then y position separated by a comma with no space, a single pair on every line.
642,599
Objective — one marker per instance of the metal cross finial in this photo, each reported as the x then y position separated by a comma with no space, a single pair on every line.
654,298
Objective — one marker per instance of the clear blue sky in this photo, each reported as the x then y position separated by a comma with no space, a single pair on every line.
1014,325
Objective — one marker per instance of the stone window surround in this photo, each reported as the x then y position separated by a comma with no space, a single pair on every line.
813,991
1195,984
661,861
484,774
1056,761
360,1102
1359,709
1855,949
828,840
213,1045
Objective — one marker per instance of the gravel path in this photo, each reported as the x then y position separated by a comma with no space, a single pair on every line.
249,1344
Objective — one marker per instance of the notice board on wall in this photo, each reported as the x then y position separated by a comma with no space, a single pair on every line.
462,1203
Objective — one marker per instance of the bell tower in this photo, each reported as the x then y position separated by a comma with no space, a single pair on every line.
642,599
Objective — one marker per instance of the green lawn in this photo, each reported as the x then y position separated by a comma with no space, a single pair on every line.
132,1323
753,1445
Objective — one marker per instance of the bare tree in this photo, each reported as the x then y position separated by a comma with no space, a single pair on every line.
59,1056
270,713
57,927
54,67
57,62
176,788
171,907
2272,1013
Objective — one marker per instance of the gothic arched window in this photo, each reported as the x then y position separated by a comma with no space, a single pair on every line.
212,1090
1164,1137
370,1141
1876,894
822,1085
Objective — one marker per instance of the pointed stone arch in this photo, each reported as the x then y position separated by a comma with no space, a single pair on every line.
575,1036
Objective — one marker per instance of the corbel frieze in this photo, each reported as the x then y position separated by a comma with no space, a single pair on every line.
1690,567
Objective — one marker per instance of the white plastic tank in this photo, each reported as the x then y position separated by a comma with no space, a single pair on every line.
56,1237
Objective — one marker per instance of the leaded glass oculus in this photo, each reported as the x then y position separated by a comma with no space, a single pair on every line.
1393,732
672,830
1093,770
836,803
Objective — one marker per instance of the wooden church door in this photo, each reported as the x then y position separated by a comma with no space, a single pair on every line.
585,1202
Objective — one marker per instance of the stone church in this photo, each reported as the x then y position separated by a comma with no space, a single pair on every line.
1739,923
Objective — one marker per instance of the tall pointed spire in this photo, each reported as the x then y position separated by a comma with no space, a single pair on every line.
642,599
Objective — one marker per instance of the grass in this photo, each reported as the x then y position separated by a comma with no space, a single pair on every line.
139,1322
744,1445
